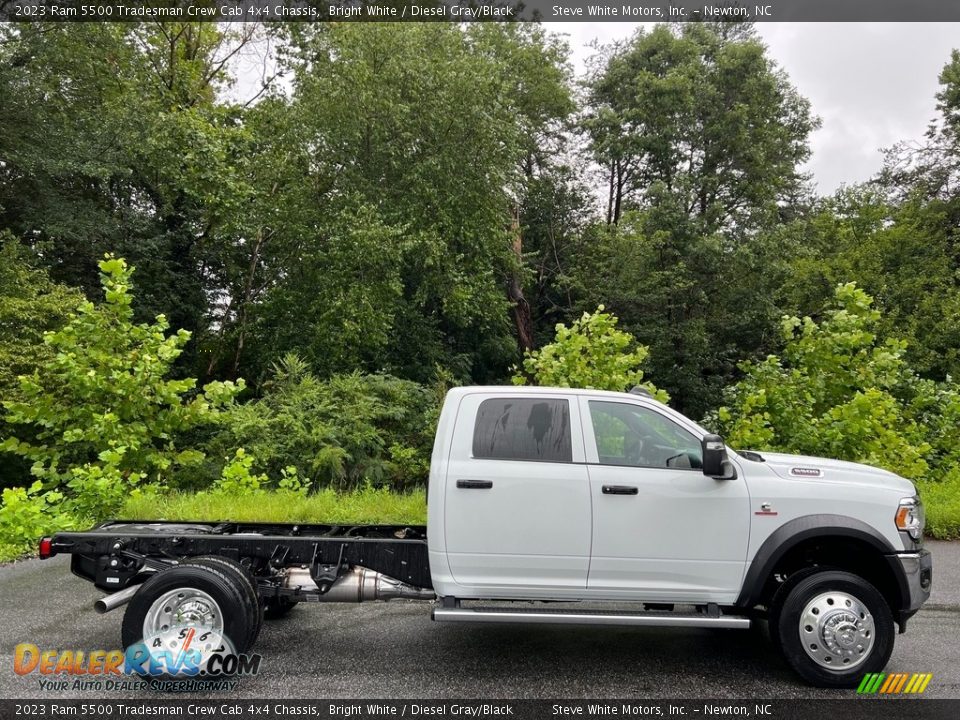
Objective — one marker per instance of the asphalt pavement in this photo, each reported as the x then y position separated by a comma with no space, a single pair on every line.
394,650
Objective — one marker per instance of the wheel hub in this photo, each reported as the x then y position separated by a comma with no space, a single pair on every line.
181,610
837,630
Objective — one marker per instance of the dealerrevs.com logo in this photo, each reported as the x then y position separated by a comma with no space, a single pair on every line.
198,661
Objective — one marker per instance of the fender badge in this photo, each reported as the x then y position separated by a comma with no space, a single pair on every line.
806,472
765,509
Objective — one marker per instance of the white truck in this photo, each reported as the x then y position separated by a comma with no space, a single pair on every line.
561,506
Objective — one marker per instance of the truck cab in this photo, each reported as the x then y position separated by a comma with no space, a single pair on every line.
582,495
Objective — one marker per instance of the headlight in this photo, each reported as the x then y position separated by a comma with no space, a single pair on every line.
910,518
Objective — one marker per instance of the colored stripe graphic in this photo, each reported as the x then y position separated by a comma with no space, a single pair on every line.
894,683
887,683
912,684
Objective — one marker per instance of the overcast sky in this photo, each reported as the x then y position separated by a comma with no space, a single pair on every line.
872,84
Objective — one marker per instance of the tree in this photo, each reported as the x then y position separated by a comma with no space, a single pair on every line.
903,254
30,305
591,353
102,417
423,131
538,79
115,140
931,169
340,432
697,111
555,217
701,138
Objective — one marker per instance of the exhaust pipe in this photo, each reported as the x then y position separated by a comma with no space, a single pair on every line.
356,585
115,600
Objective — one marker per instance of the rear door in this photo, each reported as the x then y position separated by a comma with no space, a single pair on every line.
517,501
662,530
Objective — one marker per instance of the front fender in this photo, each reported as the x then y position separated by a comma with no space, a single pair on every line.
796,531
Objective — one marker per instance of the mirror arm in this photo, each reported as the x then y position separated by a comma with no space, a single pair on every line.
729,471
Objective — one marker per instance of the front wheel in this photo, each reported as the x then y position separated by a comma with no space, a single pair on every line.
834,627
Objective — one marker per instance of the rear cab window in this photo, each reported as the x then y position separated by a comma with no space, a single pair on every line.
517,428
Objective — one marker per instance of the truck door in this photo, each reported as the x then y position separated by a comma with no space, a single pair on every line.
662,530
517,496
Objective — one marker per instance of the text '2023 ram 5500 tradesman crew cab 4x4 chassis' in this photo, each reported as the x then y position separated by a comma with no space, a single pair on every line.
618,509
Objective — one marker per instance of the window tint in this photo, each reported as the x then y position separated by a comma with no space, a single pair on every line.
640,437
523,429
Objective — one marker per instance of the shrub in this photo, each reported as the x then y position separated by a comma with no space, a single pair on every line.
342,432
839,391
591,353
101,418
236,478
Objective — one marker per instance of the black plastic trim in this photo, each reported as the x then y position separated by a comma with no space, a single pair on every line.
792,533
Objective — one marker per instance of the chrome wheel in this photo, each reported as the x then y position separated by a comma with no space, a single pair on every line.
184,609
837,631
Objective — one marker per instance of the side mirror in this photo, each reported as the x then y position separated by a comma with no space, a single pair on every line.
715,462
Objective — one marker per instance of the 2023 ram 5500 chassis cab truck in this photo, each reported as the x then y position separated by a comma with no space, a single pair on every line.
614,507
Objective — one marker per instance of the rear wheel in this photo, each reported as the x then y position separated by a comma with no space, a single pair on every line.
181,616
833,627
247,582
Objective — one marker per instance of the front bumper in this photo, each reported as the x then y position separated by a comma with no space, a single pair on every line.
914,573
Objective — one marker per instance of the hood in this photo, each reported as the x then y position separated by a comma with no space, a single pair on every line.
803,467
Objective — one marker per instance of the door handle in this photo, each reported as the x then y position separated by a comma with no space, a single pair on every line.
475,484
620,490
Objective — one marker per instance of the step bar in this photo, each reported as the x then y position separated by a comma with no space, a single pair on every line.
567,617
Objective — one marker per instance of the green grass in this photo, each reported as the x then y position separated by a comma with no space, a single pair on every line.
380,506
368,506
941,502
371,506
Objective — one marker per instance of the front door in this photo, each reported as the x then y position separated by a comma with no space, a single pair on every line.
517,505
662,530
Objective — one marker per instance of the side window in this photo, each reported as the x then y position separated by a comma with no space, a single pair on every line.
639,437
523,429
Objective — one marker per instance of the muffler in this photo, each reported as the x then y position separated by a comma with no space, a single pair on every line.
356,585
115,600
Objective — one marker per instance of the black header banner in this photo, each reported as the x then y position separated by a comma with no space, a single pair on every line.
479,10
247,709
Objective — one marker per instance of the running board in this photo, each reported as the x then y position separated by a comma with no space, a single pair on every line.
567,617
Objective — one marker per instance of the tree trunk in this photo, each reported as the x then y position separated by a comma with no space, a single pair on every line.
519,305
247,299
610,193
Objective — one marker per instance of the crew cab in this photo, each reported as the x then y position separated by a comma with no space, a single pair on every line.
561,506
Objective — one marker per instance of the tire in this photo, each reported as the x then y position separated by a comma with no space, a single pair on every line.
833,627
780,597
278,607
245,579
216,588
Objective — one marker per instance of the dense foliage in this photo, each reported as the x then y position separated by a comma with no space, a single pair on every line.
341,433
378,211
840,391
